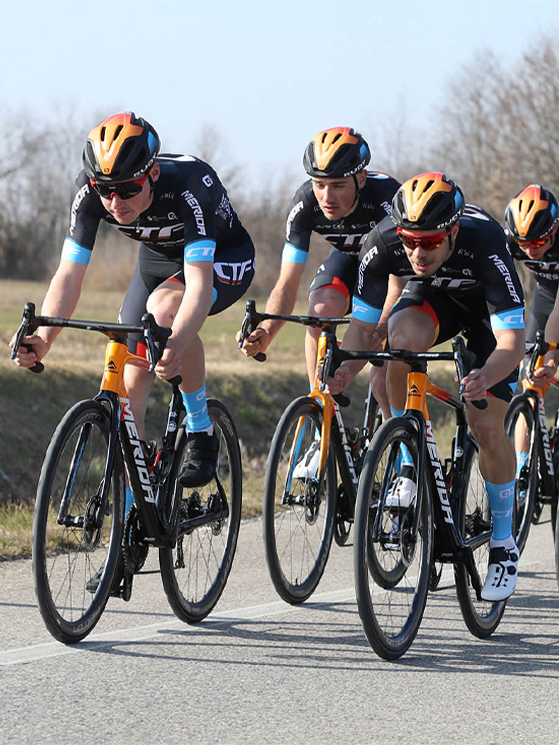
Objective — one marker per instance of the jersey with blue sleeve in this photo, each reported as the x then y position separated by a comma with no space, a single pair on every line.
190,217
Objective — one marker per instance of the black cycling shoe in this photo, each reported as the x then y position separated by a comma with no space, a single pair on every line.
201,459
94,581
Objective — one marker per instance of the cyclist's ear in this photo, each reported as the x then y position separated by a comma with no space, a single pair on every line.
155,172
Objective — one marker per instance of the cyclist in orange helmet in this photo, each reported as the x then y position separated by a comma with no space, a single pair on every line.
195,259
342,202
461,278
531,224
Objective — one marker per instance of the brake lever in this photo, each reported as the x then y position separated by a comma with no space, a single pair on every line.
250,324
28,326
465,359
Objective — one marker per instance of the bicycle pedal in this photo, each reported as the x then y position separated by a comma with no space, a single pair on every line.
125,590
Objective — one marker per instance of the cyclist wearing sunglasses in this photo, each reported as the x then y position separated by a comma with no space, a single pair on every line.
341,202
195,260
531,223
461,278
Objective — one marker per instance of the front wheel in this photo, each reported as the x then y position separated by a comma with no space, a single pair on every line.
77,529
474,519
195,571
520,427
299,508
393,541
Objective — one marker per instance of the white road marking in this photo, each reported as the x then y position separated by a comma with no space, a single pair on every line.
109,638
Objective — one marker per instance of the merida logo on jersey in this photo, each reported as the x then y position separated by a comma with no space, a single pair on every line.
502,267
78,199
298,207
364,263
194,204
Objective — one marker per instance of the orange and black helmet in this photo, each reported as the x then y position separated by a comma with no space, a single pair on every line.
336,153
121,148
531,214
430,201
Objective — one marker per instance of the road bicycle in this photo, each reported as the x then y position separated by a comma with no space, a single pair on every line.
80,530
526,424
305,503
446,518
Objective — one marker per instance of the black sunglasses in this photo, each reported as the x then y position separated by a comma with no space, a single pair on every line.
124,190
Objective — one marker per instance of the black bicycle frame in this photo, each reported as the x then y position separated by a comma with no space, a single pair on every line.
540,447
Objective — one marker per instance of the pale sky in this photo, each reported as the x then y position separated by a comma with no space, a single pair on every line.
268,75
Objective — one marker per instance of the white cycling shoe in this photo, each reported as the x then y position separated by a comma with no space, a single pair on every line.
403,490
307,468
502,573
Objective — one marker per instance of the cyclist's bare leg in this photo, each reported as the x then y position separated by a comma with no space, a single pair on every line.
408,329
164,303
377,379
497,459
324,301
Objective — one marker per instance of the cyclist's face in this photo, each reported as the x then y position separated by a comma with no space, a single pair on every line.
426,262
336,196
125,211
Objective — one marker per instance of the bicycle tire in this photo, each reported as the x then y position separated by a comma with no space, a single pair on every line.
556,495
519,410
298,513
392,575
67,556
195,571
474,517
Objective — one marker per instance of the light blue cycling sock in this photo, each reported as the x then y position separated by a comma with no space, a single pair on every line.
521,460
404,456
128,500
197,417
501,500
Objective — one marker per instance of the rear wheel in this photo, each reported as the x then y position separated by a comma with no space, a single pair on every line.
474,519
520,427
299,509
393,549
77,531
195,571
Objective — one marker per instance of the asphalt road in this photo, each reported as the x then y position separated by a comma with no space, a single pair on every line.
260,671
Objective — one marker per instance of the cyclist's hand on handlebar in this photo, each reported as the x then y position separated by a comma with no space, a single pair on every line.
474,386
257,342
169,366
337,384
29,358
543,376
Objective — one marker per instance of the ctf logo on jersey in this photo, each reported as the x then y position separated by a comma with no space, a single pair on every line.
231,272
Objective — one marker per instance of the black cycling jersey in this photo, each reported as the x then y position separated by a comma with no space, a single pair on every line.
190,214
190,219
545,270
479,269
347,235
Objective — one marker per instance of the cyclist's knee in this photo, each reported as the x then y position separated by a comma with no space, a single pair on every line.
488,431
328,302
163,304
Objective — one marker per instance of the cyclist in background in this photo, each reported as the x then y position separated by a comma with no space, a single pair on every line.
195,259
341,202
461,279
531,223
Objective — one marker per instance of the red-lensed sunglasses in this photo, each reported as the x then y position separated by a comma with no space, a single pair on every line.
536,243
426,242
124,190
